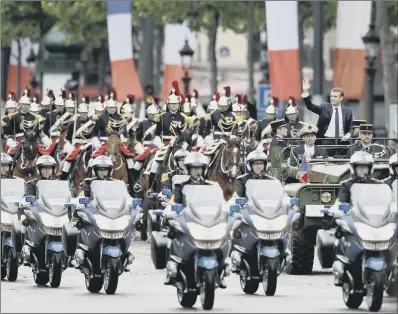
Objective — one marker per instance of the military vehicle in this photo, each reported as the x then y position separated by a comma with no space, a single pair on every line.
324,180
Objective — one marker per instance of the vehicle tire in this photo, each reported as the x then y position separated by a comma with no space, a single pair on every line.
207,289
12,265
375,290
270,278
55,271
248,286
158,254
95,284
302,246
40,278
188,299
111,275
3,272
352,301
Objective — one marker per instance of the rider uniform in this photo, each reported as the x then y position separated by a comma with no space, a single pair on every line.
47,103
264,128
393,165
99,164
256,164
11,109
42,164
6,166
293,124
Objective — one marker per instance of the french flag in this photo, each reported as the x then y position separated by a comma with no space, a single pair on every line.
124,74
303,171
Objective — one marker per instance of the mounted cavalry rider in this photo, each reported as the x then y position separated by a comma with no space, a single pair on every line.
256,165
264,127
239,108
46,169
98,111
204,123
308,149
6,168
170,125
47,103
20,123
393,165
129,101
78,137
180,169
11,109
35,109
102,169
291,117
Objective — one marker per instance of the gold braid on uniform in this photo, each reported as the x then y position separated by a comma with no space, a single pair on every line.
174,127
86,133
115,124
28,125
226,126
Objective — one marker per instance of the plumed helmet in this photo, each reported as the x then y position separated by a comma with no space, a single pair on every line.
110,104
25,99
34,107
224,100
11,103
213,105
175,94
71,102
83,108
152,109
48,99
361,158
186,108
292,107
273,107
98,106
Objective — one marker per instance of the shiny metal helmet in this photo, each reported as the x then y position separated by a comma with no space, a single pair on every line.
6,159
11,103
152,109
110,104
25,99
213,105
98,107
103,162
255,156
361,158
392,162
83,108
273,106
174,97
34,107
195,159
45,161
292,107
225,101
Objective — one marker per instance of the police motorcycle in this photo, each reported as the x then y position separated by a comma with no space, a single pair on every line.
100,234
12,191
261,234
392,284
45,216
366,248
199,244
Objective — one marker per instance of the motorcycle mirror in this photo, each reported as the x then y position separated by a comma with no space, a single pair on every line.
136,202
240,201
166,192
294,201
234,208
153,195
176,208
344,207
30,199
84,200
68,205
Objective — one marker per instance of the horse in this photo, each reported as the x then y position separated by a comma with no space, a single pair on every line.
79,170
25,157
224,169
114,152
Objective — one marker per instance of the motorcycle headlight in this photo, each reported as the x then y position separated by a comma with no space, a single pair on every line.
269,225
53,222
207,245
118,224
201,233
326,197
370,234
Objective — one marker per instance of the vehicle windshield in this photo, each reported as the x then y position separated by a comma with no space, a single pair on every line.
12,191
110,198
204,204
371,203
52,196
264,198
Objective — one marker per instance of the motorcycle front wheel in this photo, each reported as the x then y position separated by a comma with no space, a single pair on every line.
354,300
375,290
55,270
207,288
248,286
111,275
270,278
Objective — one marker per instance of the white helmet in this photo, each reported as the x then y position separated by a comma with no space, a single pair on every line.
186,108
59,101
110,104
392,162
70,103
361,158
224,100
152,109
213,105
195,159
103,162
11,103
174,96
48,98
45,161
6,159
127,108
34,107
98,107
255,156
83,108
292,108
272,108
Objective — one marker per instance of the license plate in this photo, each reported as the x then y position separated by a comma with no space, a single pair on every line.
314,210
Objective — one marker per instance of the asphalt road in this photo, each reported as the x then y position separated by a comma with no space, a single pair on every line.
142,290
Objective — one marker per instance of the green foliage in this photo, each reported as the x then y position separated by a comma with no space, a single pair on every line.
393,13
306,11
23,19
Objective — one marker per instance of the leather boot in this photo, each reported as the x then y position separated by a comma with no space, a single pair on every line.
151,180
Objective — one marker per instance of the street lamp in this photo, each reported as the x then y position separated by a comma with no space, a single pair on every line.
186,54
372,43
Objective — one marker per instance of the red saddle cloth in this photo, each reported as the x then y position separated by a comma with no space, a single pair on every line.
42,151
145,154
123,148
76,151
12,151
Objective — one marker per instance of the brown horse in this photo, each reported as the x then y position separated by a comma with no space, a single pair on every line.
25,157
115,154
225,168
79,170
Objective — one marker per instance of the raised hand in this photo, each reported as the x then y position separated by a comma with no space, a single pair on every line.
306,84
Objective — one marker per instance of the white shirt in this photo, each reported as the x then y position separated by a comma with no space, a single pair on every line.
309,150
330,132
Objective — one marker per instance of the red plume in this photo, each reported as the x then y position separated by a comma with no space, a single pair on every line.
11,96
188,97
276,101
71,95
182,98
86,99
50,94
101,98
35,98
217,96
27,91
113,94
195,93
293,101
227,91
244,99
63,93
130,98
176,87
239,98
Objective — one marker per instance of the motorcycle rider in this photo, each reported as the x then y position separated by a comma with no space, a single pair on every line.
46,166
102,169
256,165
6,167
393,165
180,169
361,168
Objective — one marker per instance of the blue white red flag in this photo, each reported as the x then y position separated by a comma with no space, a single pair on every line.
303,171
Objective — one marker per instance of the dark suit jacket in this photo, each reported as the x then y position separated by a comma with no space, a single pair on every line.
296,154
325,111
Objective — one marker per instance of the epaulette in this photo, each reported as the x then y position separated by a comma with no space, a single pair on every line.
207,116
241,176
165,177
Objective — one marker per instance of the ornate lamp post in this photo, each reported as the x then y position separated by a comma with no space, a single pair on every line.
186,54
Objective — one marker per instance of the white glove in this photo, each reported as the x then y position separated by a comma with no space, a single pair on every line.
268,129
123,138
346,137
185,145
139,149
96,143
157,142
199,141
10,143
68,148
46,141
74,141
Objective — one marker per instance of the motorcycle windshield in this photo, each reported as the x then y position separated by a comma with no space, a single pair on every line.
204,204
371,203
12,191
395,190
110,198
264,198
52,196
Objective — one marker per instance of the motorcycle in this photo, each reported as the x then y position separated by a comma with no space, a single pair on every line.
45,216
392,285
101,235
261,235
367,247
158,202
12,190
199,245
